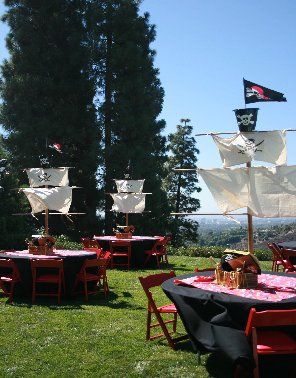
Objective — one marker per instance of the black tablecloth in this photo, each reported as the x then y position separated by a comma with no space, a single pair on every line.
71,263
139,246
216,321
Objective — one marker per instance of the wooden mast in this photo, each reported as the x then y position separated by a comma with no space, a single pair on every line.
250,225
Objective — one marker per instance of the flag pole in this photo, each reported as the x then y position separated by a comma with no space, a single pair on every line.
250,224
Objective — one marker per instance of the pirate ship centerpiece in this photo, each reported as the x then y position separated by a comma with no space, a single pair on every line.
128,199
266,192
50,194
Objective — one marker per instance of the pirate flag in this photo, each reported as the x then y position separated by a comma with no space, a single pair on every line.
258,93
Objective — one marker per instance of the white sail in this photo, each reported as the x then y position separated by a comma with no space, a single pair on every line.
268,192
129,186
48,176
128,203
229,187
268,146
58,199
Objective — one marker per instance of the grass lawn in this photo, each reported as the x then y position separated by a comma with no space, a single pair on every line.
98,339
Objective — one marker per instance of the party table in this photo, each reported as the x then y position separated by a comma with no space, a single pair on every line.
72,262
139,244
215,316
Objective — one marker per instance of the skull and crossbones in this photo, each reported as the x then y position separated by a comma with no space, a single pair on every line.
245,119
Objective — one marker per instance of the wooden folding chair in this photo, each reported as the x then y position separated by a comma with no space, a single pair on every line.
270,341
152,309
9,276
120,250
279,259
159,251
92,271
47,271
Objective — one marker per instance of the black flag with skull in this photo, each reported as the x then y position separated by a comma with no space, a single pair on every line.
246,119
258,93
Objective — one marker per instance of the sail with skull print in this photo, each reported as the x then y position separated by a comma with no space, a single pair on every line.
129,198
267,146
48,190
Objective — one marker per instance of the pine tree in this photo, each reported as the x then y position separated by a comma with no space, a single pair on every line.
131,101
13,229
48,95
180,186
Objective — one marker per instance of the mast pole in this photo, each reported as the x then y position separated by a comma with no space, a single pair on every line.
250,226
126,219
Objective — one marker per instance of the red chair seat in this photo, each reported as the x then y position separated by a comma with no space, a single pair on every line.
271,341
171,308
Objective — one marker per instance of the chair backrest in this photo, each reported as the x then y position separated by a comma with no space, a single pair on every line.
270,318
155,280
160,245
10,264
90,243
47,263
117,245
277,252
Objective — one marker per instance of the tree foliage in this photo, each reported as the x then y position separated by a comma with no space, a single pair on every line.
130,99
48,95
181,186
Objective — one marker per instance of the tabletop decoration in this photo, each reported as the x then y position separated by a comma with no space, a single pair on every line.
41,245
238,270
124,232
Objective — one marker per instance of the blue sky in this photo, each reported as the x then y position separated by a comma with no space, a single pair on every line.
204,49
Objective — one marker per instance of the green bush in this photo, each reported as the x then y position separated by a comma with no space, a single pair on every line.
64,242
200,251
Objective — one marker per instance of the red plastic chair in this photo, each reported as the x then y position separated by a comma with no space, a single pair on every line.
159,251
267,341
9,277
92,271
47,271
120,250
280,260
152,309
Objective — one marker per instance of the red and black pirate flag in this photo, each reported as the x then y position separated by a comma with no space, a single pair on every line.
258,93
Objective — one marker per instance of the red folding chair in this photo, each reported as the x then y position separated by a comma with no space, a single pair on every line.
9,276
270,341
92,245
280,260
49,272
92,271
120,253
159,251
152,309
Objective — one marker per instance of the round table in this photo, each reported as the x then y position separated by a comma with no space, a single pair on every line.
215,321
139,244
72,262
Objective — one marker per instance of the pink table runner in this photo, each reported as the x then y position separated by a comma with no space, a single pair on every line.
135,238
270,287
56,254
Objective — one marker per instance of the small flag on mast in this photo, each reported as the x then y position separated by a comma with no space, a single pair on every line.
258,93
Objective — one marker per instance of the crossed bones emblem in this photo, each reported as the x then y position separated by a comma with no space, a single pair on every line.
45,177
245,119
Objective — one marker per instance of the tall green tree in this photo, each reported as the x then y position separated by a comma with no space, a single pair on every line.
181,186
130,102
13,229
47,93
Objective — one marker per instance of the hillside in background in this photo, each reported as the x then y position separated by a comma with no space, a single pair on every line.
223,232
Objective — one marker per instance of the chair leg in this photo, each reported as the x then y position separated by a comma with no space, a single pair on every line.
148,325
11,292
85,291
34,292
175,322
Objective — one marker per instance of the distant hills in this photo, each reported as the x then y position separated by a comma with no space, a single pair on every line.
223,232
